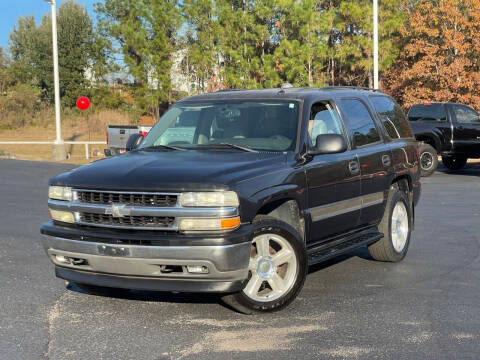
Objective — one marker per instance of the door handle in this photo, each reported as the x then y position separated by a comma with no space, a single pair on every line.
354,167
386,161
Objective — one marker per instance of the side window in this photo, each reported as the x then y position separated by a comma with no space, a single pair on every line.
324,119
393,120
427,112
465,115
359,122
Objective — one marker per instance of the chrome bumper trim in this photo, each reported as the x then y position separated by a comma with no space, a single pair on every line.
76,206
228,262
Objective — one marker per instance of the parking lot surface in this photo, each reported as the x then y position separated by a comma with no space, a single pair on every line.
426,307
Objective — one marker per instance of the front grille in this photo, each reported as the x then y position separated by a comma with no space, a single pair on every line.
138,199
127,221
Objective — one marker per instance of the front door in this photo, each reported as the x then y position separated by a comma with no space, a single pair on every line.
333,180
466,134
374,157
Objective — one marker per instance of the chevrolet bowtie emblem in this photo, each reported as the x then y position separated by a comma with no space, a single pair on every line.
117,211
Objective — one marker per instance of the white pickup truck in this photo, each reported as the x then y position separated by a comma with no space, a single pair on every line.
117,136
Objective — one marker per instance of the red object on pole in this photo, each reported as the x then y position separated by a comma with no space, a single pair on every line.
83,103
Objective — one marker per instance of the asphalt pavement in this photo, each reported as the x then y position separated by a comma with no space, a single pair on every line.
426,307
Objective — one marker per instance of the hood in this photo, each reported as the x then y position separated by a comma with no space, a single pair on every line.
165,170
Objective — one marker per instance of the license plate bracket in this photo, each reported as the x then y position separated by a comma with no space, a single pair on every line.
113,250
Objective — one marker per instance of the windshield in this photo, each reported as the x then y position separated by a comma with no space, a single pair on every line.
257,125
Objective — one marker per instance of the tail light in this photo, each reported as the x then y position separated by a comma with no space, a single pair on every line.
143,133
106,133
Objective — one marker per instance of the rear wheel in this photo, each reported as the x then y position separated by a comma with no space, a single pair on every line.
454,162
277,268
428,159
396,228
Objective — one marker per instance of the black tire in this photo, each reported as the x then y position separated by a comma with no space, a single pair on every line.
268,225
101,290
428,160
454,162
384,249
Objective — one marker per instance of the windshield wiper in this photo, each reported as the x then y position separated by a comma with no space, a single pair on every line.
169,147
234,146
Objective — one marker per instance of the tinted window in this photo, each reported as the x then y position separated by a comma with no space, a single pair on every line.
392,117
465,115
359,122
324,119
427,112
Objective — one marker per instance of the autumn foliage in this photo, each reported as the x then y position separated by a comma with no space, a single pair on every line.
440,60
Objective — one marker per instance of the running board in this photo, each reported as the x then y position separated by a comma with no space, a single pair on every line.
327,251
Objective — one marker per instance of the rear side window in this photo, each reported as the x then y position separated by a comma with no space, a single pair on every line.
359,122
427,112
393,119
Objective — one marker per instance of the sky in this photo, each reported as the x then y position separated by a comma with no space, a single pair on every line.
10,10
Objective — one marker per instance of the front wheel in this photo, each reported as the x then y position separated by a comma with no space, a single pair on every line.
396,228
277,268
454,162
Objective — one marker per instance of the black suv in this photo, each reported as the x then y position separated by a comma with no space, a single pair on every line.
238,192
451,130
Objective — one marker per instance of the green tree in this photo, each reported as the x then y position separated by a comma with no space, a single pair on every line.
4,74
200,39
75,50
145,32
238,43
31,49
303,49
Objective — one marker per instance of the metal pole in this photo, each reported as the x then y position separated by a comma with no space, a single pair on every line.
59,151
375,44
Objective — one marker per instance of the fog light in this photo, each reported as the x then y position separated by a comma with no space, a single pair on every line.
63,216
197,269
62,259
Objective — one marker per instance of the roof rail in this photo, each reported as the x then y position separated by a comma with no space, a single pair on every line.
344,87
223,90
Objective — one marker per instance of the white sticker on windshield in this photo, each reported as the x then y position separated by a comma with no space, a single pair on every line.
291,106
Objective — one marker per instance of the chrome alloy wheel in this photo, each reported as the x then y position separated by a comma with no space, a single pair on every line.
399,227
272,268
426,160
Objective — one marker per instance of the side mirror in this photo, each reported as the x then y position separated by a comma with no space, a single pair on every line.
329,144
134,141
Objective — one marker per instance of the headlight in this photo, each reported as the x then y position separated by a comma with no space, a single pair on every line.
60,193
63,216
209,199
208,224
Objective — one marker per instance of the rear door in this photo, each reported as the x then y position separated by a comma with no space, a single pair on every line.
333,179
466,133
374,156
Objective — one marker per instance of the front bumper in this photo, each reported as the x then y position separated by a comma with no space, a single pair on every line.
144,266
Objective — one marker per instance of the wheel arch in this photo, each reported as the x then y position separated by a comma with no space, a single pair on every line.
287,210
404,183
431,140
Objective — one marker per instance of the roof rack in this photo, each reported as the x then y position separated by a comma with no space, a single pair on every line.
349,88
